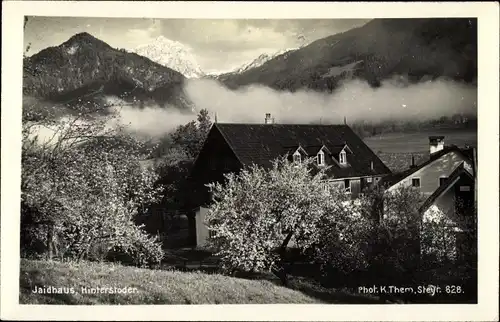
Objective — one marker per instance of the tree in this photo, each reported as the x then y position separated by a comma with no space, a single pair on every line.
191,136
172,158
342,237
256,214
173,169
175,155
439,235
82,186
396,244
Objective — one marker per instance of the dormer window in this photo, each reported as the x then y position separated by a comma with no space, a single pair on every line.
296,157
342,157
321,158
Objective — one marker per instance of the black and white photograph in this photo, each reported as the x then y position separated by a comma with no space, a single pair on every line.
288,160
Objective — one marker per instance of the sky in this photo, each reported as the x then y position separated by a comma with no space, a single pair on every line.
219,45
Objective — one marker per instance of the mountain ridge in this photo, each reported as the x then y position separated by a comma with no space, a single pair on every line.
85,64
254,63
380,49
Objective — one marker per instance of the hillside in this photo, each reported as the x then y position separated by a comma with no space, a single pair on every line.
152,286
87,68
382,48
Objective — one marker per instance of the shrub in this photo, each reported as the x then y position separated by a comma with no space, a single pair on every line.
81,189
256,214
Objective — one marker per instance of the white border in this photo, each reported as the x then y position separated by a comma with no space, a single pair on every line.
12,49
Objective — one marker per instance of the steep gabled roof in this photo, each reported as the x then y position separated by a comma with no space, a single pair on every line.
313,149
449,182
261,143
394,178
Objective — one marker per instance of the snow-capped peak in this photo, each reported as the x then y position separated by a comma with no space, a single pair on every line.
261,60
171,54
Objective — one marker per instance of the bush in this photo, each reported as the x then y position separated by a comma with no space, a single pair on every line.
257,213
141,251
81,190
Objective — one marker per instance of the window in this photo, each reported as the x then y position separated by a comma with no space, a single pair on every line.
347,185
210,194
211,233
464,188
442,180
415,182
369,179
342,157
296,157
321,158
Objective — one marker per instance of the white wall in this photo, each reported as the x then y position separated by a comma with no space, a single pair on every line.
201,228
430,174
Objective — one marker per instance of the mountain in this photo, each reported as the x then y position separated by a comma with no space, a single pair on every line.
86,70
378,50
172,54
259,61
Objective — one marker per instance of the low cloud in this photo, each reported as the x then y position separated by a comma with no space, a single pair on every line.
151,121
356,100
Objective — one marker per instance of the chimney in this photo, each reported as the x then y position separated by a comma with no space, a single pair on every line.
436,144
268,119
412,165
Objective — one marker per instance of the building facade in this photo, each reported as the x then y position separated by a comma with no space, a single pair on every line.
350,163
447,181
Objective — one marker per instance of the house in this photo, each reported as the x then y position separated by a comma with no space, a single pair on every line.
230,147
448,182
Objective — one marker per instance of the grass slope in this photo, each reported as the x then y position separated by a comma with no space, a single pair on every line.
153,286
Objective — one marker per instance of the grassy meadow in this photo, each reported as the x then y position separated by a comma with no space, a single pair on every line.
396,149
419,141
149,286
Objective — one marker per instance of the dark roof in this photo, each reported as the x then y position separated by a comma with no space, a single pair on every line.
394,178
261,143
313,149
337,148
459,171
